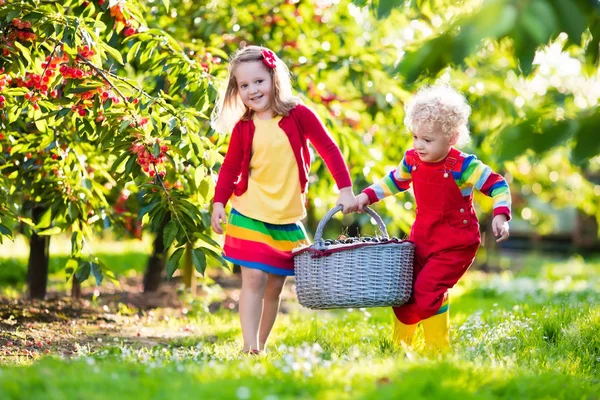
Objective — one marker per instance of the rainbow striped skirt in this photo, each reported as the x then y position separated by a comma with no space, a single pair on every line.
255,244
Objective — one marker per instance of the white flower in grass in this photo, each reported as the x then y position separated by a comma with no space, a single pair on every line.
316,348
243,393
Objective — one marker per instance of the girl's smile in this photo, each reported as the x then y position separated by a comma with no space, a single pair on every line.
255,86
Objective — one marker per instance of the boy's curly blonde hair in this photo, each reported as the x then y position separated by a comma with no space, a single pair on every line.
439,109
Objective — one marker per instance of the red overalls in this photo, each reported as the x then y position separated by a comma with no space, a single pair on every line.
445,233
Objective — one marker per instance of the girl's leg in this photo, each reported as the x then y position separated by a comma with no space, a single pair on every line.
254,282
270,307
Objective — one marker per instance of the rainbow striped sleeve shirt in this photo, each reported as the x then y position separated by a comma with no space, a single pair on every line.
468,173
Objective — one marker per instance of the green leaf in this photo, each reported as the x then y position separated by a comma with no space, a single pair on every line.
385,7
199,260
45,219
494,19
124,125
539,20
166,3
120,160
571,19
169,233
132,53
207,239
149,207
24,51
112,51
52,231
514,140
130,164
96,272
592,52
217,257
83,272
5,231
27,221
587,143
70,267
430,58
173,262
199,175
76,242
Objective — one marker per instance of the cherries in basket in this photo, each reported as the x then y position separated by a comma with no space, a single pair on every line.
357,240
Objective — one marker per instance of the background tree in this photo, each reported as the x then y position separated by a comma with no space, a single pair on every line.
76,120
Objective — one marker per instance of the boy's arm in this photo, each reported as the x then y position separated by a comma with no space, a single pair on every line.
393,183
230,169
491,184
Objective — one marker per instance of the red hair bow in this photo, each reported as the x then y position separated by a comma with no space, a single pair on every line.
268,58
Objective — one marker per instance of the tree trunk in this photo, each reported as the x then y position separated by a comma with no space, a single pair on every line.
156,262
76,288
189,272
37,268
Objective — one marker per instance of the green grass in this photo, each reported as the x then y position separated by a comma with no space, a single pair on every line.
531,334
122,257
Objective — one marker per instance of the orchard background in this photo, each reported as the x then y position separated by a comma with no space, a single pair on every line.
108,164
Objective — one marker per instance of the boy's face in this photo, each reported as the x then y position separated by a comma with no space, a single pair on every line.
430,145
255,87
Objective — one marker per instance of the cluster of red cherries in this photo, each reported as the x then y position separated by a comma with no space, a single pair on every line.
146,158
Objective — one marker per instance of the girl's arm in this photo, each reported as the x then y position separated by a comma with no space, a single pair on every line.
230,170
330,152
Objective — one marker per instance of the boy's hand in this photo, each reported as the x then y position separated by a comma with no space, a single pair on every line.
218,216
500,227
347,200
362,200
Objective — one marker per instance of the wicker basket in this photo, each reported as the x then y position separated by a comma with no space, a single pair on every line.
366,272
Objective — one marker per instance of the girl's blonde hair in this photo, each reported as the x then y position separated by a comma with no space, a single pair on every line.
439,109
229,108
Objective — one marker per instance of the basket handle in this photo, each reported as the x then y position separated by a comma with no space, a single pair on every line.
320,244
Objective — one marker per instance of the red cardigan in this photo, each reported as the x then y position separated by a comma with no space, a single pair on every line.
300,126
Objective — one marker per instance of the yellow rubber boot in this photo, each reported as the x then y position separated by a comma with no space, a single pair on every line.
402,333
435,329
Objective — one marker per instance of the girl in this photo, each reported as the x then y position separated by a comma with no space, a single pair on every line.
446,230
266,170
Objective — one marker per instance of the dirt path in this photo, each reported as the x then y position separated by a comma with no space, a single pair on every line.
61,326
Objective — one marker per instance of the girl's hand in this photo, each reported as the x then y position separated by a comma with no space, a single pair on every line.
218,216
347,200
362,200
500,227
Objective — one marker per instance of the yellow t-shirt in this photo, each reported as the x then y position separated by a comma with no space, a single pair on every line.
274,194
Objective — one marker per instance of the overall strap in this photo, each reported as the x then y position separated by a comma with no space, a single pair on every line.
450,163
